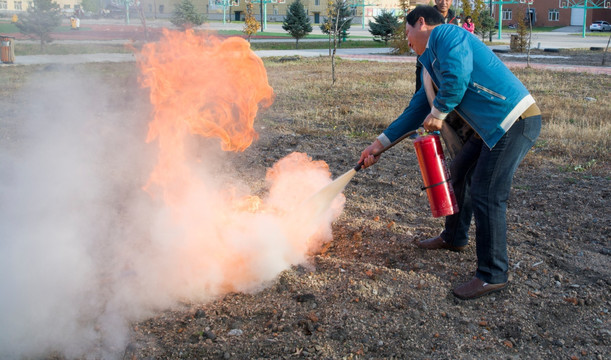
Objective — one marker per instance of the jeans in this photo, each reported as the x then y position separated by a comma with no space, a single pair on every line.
481,178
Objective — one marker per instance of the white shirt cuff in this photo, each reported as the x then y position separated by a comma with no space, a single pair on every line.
438,114
384,139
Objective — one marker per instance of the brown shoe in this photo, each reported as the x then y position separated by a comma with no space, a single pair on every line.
476,288
438,243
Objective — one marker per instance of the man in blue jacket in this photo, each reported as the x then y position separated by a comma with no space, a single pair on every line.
470,79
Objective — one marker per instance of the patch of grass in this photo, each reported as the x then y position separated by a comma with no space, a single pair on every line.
8,28
591,33
349,44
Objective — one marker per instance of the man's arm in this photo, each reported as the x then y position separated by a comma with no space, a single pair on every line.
453,51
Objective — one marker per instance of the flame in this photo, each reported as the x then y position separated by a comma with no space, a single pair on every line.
187,73
212,235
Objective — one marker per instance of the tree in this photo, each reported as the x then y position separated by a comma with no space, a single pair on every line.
399,43
522,32
338,20
479,8
486,25
467,10
384,26
185,16
91,6
251,25
297,23
40,19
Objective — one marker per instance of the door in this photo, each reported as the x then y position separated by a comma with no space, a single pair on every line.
316,18
577,16
237,15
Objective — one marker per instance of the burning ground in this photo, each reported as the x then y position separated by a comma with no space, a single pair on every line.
84,281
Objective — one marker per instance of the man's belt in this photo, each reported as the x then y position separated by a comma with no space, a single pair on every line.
533,110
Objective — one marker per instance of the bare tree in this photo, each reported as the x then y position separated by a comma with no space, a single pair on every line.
337,21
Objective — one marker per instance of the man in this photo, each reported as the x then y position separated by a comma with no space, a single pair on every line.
472,81
443,6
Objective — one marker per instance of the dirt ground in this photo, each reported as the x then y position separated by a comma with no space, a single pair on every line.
372,294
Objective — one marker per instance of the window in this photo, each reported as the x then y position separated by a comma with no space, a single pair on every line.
275,10
553,15
18,5
316,2
507,14
161,7
66,6
3,5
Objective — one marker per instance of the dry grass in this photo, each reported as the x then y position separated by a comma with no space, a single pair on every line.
368,96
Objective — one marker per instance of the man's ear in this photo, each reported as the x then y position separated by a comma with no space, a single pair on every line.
422,23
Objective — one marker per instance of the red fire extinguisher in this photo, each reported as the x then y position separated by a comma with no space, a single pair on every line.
435,175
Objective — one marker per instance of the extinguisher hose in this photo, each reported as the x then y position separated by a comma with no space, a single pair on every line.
432,186
378,153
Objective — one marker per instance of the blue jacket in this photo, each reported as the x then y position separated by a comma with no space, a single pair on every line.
471,80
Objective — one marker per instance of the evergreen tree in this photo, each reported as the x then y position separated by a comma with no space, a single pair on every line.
297,23
344,20
384,26
251,25
486,26
185,16
40,19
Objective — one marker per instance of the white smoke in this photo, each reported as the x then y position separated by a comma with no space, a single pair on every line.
84,251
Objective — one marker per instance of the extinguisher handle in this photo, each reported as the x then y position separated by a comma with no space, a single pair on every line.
378,153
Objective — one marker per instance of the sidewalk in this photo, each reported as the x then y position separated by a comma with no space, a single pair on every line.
368,54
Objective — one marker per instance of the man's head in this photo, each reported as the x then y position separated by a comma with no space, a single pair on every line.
420,23
443,6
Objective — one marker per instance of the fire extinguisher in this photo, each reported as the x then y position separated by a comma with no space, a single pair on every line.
435,174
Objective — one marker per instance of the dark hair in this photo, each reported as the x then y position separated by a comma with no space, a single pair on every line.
430,14
468,17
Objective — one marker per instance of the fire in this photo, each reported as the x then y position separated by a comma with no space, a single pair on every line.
213,236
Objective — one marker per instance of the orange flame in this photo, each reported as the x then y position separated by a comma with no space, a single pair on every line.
220,237
186,73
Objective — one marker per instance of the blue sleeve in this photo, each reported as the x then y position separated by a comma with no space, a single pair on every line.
411,118
453,50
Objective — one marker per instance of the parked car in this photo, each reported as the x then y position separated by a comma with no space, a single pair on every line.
600,26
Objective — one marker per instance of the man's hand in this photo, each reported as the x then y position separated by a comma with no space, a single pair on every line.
367,158
431,123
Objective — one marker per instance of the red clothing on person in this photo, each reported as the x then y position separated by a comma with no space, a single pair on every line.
470,27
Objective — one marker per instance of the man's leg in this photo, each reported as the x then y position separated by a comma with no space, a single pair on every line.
456,231
490,188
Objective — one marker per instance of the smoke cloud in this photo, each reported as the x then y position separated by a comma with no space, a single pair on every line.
85,250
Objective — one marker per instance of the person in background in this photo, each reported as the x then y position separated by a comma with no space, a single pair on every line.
473,82
469,25
443,6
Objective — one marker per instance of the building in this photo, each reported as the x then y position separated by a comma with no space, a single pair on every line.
235,10
554,12
9,7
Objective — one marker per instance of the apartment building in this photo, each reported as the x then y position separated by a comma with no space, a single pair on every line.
554,12
9,7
